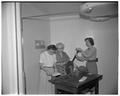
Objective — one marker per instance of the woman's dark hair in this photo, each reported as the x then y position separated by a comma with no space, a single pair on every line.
51,47
90,40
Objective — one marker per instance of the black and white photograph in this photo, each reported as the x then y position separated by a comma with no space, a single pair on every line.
59,47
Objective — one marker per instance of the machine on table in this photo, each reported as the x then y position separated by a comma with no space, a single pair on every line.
72,82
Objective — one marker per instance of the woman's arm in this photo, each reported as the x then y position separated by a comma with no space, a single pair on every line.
42,65
88,53
45,69
80,58
67,58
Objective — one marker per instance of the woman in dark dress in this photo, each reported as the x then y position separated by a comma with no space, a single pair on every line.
89,55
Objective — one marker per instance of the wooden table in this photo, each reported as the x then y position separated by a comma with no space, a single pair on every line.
73,86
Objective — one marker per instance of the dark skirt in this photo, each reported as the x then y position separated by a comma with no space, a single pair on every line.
92,67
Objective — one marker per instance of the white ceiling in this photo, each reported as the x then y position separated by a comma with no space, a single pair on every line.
51,8
66,8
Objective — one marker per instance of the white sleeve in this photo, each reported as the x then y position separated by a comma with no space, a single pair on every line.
42,58
55,59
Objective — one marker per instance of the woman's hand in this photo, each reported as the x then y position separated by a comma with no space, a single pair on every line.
79,49
58,63
63,63
46,71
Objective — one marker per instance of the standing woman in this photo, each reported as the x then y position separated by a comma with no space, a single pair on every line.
89,55
47,61
62,58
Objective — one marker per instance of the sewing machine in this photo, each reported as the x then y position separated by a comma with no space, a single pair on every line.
76,81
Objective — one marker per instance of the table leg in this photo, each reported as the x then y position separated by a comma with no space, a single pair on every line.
97,88
56,91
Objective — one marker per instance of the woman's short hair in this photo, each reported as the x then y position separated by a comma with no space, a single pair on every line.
90,40
60,44
51,47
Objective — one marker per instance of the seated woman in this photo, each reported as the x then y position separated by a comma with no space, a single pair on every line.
62,58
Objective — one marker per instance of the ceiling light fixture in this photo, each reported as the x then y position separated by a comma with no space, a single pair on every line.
87,9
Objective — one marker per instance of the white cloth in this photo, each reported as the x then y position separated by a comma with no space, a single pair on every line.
45,86
47,59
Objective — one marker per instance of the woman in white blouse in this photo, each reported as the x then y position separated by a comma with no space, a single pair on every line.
47,61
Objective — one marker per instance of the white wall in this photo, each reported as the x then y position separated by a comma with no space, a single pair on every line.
72,30
33,29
